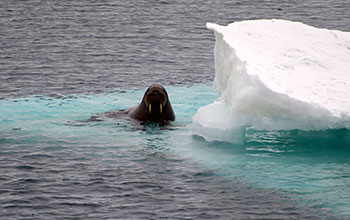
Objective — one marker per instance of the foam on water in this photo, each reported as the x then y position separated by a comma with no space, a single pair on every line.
277,75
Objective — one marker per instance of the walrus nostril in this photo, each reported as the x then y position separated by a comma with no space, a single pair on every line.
155,92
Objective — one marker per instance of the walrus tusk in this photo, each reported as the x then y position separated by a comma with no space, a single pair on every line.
161,107
150,108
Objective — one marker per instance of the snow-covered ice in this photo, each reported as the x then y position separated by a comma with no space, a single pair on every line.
277,75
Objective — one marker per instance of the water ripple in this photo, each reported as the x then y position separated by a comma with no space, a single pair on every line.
61,48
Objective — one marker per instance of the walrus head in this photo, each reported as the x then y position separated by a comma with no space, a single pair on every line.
155,97
157,104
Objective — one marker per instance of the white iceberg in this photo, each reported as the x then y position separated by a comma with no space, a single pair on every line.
277,75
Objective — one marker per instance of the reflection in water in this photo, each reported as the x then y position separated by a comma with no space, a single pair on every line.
298,141
312,166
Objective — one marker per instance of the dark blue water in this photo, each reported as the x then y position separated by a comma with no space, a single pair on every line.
66,47
63,61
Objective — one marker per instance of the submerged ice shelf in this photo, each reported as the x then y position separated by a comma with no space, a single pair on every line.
277,75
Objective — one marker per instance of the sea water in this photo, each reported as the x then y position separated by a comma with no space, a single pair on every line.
283,85
53,158
63,61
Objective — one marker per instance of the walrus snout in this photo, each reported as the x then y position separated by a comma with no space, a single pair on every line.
155,92
156,96
156,102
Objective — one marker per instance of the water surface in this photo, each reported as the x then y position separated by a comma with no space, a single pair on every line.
63,61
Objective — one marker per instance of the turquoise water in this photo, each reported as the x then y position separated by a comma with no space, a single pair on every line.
311,167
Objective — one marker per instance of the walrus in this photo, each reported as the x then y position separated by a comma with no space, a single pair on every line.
154,107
